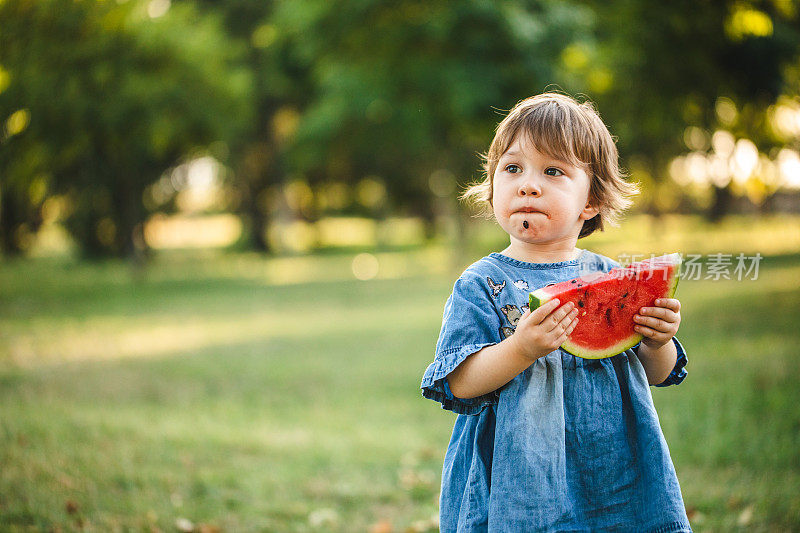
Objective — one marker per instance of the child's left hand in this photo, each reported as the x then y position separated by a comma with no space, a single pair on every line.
658,324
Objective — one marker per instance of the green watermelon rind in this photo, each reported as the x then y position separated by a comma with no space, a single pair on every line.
539,297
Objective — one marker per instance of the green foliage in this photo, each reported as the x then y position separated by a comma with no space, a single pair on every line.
98,99
670,64
403,90
407,88
116,98
671,61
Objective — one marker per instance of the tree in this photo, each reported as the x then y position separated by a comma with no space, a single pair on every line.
280,91
666,66
406,89
136,90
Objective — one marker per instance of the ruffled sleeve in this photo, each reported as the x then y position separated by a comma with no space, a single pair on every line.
470,322
678,373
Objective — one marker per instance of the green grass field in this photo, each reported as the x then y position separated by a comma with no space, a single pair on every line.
248,394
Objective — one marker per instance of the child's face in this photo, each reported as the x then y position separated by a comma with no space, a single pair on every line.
545,194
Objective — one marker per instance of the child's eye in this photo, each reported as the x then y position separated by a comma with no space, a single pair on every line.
552,171
513,169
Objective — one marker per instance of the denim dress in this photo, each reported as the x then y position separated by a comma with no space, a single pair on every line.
569,444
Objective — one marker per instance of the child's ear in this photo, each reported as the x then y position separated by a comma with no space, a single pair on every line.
590,211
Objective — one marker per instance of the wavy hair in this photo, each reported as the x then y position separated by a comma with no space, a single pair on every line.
562,128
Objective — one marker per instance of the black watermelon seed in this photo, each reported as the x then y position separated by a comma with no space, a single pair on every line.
573,281
622,306
580,303
624,295
608,315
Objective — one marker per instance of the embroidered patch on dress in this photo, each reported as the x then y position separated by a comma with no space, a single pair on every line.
521,285
512,313
496,288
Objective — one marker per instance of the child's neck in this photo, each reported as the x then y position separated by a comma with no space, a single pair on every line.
539,253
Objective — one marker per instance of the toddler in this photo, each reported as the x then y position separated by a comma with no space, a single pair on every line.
544,440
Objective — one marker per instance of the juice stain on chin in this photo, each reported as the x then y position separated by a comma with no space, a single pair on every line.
525,224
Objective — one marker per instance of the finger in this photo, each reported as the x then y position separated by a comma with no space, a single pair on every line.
571,316
570,328
659,312
672,304
653,323
560,314
649,332
541,312
569,320
565,321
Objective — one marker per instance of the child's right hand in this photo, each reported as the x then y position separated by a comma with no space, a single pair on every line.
546,328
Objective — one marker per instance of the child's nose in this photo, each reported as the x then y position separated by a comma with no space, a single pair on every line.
529,188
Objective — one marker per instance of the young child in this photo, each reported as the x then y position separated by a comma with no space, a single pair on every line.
544,440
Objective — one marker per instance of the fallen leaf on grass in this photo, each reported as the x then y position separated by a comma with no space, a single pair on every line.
71,507
695,517
383,526
735,502
184,525
746,516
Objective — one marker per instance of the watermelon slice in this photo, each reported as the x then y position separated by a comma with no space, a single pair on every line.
606,303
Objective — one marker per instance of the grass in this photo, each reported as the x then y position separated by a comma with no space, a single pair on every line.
231,401
247,394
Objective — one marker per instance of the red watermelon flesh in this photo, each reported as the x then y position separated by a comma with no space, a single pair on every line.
607,302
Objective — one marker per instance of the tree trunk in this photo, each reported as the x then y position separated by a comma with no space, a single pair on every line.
259,225
721,205
84,230
9,222
128,217
258,221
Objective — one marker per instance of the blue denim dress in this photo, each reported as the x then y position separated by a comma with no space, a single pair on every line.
569,444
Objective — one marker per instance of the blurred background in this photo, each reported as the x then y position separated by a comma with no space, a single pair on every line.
228,229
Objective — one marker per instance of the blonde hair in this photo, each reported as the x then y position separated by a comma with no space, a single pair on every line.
560,127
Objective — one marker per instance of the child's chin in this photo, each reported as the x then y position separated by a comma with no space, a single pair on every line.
531,231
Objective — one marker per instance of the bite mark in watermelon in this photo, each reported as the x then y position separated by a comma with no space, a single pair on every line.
607,302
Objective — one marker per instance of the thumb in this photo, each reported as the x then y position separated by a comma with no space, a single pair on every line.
541,312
